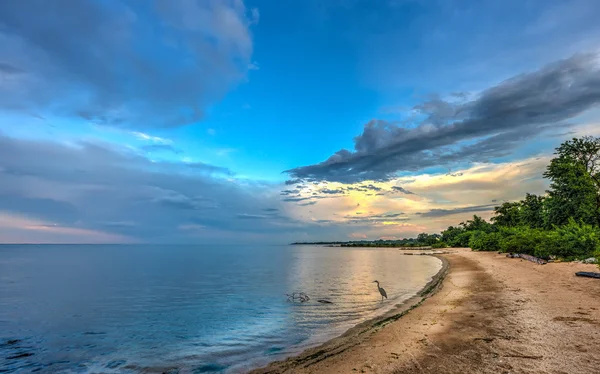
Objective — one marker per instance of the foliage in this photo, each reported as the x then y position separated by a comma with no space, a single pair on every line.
451,234
532,212
427,239
507,215
520,239
463,239
477,224
484,241
460,236
575,188
439,244
571,241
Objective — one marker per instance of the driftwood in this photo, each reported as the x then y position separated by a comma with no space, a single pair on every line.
298,297
538,261
588,274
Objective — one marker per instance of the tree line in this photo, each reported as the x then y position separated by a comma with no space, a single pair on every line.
564,223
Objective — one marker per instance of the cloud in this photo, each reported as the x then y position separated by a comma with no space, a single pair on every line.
207,168
152,148
292,182
299,198
123,63
112,192
252,216
328,191
389,218
372,187
490,126
151,138
402,190
447,212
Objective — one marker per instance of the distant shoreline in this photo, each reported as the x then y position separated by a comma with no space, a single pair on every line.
375,244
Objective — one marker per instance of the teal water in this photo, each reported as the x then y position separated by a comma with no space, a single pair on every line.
111,308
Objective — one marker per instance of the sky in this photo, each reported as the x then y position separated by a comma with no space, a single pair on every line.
238,121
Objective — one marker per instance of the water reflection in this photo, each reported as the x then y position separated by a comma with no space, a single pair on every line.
208,309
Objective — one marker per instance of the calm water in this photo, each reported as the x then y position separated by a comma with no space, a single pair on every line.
195,308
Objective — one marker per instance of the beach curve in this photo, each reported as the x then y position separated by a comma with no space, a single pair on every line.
482,313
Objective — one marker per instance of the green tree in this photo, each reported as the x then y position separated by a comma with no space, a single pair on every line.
532,211
477,224
427,239
575,188
449,236
507,215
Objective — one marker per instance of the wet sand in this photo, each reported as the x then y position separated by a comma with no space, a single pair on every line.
490,314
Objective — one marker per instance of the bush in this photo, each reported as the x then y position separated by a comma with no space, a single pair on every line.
462,239
571,241
520,239
482,241
439,244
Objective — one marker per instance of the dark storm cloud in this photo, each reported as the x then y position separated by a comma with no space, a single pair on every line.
434,213
115,190
127,63
500,119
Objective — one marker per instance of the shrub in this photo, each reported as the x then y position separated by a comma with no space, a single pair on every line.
482,241
571,241
439,244
462,239
520,239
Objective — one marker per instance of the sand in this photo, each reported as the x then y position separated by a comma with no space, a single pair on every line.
490,314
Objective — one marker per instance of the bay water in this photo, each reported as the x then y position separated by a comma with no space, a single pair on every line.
194,308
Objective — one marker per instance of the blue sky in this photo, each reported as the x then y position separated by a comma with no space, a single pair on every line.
184,119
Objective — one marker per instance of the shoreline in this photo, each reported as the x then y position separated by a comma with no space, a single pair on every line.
356,334
485,313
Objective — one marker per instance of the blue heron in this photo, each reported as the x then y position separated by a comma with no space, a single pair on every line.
381,291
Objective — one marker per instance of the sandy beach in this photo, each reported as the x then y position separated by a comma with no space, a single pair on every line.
488,314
